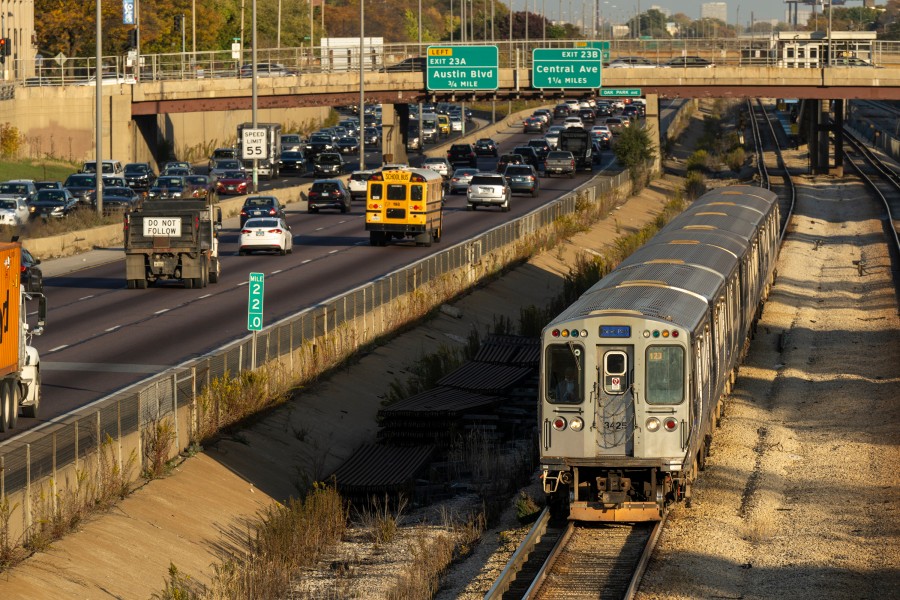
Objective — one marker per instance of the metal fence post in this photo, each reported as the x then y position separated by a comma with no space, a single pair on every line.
98,476
28,495
175,409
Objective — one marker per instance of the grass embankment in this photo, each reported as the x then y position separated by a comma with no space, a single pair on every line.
420,580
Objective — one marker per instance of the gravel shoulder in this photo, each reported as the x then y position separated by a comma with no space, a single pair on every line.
801,494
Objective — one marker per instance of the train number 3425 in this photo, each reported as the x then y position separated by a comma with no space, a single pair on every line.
614,425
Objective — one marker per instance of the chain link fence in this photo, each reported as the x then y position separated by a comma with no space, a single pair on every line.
67,452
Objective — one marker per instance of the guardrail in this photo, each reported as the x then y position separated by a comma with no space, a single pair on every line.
61,455
70,449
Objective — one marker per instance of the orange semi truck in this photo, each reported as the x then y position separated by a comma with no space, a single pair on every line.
20,366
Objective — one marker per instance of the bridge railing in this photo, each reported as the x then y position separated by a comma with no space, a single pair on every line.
306,59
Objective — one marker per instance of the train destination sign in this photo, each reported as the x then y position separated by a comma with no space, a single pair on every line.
462,68
566,68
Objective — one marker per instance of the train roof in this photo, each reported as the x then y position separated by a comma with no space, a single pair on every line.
677,273
726,240
652,300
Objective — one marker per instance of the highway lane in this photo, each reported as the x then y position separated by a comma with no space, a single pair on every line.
101,336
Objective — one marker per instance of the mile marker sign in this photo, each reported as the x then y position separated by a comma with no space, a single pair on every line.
255,301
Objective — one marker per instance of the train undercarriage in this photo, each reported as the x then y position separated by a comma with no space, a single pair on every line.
611,495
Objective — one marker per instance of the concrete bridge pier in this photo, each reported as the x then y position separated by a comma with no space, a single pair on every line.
827,136
838,126
394,128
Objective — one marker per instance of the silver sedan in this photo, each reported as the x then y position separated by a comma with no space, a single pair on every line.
459,181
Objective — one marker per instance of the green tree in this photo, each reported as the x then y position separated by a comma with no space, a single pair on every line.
633,149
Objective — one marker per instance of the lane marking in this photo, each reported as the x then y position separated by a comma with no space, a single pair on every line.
159,312
58,348
101,367
113,328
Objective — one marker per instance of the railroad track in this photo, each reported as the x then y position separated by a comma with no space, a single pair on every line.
577,560
769,141
880,178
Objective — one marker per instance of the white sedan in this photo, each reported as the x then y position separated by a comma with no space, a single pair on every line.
266,234
13,211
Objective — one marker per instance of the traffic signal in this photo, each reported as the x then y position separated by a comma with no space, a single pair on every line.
133,38
4,48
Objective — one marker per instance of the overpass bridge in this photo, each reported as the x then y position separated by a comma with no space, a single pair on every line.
192,114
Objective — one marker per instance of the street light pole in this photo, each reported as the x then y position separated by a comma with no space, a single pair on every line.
362,93
253,94
98,108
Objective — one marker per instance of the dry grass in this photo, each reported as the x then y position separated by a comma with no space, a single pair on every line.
284,539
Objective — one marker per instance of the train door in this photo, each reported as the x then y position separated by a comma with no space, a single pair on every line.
614,418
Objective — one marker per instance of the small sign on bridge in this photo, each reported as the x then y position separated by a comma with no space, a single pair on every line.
620,93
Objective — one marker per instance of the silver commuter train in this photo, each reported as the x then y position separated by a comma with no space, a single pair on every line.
634,373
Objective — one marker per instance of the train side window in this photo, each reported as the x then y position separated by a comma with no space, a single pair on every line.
615,372
665,375
564,374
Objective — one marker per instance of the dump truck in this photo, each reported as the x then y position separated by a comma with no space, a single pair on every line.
20,364
174,240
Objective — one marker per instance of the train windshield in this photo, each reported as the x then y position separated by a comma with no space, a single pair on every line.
665,375
564,375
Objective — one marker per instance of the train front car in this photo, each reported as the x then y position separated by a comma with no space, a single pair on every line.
633,372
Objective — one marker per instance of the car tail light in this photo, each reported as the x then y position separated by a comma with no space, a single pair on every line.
275,230
272,212
246,231
243,213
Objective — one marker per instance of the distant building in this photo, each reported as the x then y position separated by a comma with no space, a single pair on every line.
714,10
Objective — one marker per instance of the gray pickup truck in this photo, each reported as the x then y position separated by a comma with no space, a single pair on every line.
559,162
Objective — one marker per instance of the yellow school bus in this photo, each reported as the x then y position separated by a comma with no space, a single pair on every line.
405,203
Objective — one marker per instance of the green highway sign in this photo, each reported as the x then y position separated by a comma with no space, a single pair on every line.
603,47
620,93
565,68
462,68
255,301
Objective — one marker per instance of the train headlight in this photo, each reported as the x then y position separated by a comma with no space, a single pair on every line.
671,424
559,423
584,333
577,424
652,424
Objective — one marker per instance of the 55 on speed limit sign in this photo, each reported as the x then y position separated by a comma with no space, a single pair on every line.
253,144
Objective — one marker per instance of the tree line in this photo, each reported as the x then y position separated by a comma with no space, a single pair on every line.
68,26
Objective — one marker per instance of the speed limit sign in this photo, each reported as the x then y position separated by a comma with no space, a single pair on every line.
253,144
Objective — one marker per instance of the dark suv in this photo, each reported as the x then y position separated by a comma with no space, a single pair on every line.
530,155
328,164
261,206
462,154
541,146
139,176
328,193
